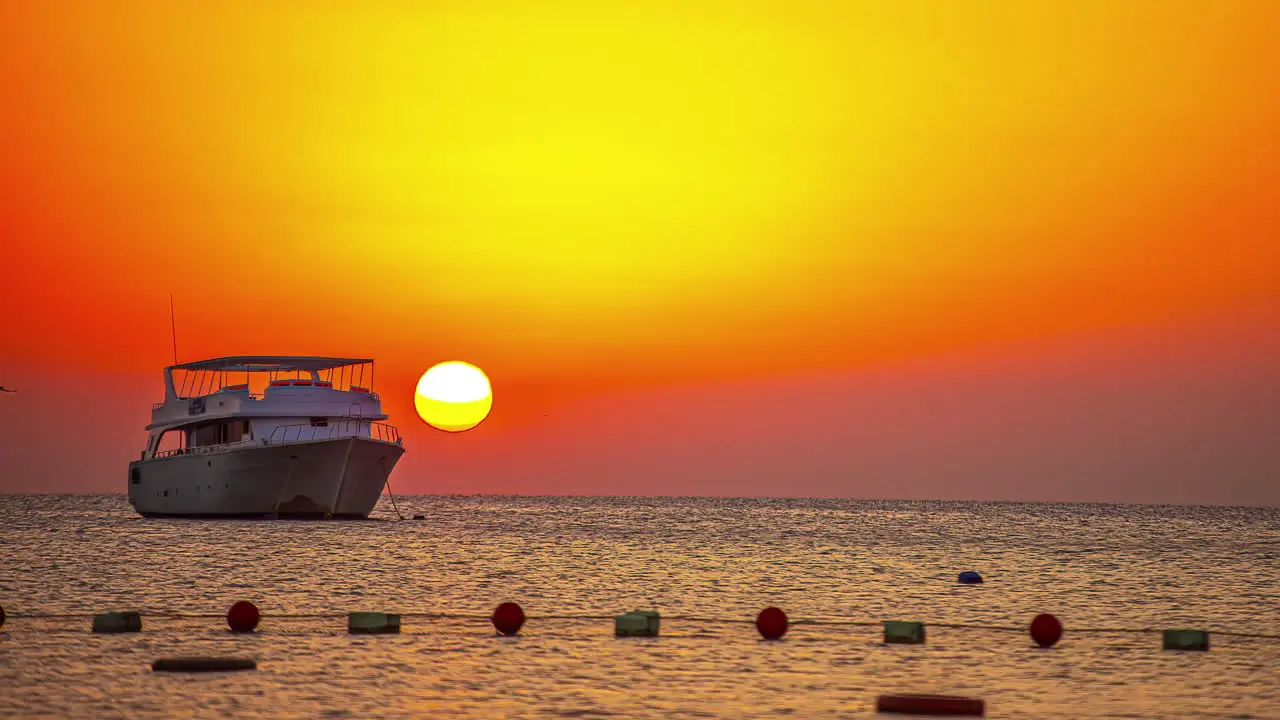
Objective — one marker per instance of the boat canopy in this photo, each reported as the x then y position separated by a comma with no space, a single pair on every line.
271,363
259,373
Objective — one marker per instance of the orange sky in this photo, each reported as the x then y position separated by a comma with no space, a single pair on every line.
591,202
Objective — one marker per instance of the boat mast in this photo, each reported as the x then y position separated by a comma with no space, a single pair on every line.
173,325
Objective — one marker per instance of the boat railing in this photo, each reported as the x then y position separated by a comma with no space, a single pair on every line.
252,396
199,449
334,429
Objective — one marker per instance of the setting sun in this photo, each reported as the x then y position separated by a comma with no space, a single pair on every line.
453,396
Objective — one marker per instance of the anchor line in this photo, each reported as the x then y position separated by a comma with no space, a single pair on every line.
387,478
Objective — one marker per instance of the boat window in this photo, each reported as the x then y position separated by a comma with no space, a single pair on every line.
237,430
170,440
205,435
219,433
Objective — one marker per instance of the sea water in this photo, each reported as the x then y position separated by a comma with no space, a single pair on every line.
697,561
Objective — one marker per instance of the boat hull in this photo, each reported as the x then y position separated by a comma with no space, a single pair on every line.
339,477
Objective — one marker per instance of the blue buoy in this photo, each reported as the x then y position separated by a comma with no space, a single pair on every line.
969,577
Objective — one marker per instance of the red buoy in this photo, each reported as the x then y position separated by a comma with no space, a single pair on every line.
243,617
930,705
508,618
1046,630
772,623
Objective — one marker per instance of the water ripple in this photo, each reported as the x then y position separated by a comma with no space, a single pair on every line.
1092,565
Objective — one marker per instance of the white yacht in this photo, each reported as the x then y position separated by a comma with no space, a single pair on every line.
274,436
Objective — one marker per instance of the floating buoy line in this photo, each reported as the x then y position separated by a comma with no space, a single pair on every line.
772,623
507,619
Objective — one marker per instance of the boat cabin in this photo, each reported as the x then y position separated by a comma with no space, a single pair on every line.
229,402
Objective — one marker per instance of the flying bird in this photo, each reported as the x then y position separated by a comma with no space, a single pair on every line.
5,389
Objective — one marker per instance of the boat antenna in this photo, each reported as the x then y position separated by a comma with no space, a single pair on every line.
173,325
